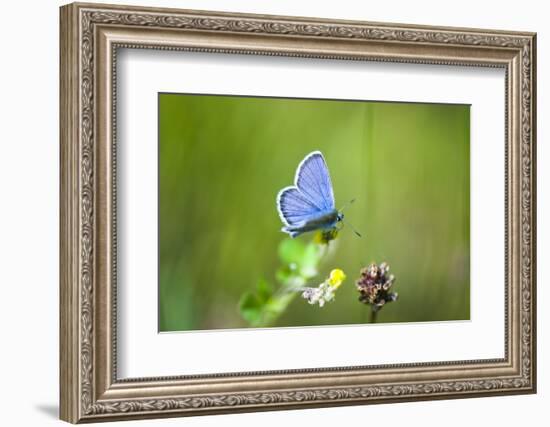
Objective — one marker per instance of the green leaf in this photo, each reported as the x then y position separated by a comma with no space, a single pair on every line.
300,261
264,290
284,275
251,308
291,251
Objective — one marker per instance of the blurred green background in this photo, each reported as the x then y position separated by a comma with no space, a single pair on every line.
222,160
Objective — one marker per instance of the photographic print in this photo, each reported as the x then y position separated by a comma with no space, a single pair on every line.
225,185
287,212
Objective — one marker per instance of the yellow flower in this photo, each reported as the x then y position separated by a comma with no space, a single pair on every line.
323,237
336,278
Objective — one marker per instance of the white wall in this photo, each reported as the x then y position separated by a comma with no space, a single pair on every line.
29,170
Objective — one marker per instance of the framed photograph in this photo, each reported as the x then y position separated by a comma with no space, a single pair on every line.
265,212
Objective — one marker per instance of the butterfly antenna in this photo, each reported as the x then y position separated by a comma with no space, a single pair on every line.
353,229
347,204
351,226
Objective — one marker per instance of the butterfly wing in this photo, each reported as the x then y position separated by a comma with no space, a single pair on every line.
294,207
313,181
309,204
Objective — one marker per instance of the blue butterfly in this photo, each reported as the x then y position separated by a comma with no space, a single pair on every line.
308,205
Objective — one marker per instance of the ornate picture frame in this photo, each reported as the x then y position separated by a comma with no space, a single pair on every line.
90,37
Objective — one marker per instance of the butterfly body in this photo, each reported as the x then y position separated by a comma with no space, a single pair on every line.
322,221
308,205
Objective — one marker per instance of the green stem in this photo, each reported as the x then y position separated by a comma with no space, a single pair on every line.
373,314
